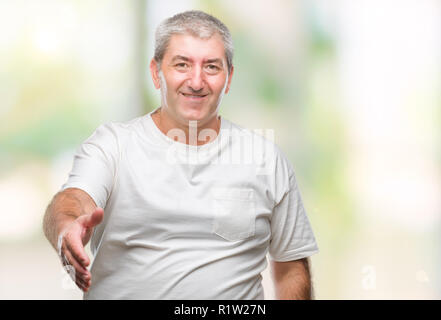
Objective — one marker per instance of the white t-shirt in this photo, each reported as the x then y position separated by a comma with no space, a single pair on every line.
184,221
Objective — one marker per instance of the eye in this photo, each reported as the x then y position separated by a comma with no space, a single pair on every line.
181,66
212,68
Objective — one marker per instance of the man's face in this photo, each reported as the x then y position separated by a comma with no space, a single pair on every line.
193,78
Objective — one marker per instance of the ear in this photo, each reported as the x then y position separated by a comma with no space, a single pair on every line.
229,79
155,73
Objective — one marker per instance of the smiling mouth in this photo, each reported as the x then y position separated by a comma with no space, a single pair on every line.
194,96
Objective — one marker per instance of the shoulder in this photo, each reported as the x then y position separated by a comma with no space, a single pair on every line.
110,137
117,130
123,127
258,137
262,144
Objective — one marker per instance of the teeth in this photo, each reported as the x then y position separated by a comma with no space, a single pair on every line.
192,96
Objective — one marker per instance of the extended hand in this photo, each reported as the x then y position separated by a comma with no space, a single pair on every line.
71,244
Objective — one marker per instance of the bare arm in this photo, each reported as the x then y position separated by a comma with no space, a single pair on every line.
65,207
292,279
72,214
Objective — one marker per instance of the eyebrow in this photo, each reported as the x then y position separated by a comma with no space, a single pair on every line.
184,58
217,60
178,57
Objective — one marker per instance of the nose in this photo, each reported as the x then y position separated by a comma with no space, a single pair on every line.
196,80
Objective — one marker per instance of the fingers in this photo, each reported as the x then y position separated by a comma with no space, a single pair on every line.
82,279
94,218
74,258
71,247
78,273
72,241
87,223
75,246
82,286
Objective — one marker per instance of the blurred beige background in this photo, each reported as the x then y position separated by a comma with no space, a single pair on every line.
351,88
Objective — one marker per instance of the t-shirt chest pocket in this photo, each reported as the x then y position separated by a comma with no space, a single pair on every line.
234,213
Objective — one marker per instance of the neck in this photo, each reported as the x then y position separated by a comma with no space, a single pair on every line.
191,132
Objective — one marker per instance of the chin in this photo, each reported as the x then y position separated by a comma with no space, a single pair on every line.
191,114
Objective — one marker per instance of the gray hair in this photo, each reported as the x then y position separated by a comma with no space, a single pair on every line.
195,23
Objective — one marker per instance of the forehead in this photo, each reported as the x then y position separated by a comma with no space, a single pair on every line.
195,48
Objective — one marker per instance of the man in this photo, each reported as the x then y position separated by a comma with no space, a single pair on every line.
170,213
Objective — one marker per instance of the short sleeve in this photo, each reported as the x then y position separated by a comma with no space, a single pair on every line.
292,237
95,165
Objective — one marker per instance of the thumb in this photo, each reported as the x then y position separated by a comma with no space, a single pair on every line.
94,218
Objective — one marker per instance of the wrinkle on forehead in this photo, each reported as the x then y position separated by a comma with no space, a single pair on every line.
186,50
